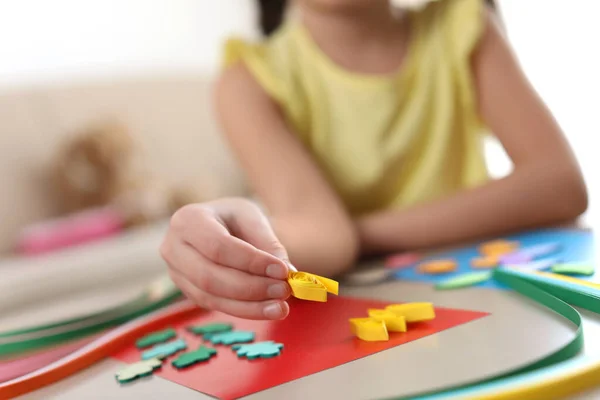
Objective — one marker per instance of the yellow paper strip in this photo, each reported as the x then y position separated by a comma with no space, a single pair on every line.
569,279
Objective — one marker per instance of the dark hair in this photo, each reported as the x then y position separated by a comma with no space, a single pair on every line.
272,12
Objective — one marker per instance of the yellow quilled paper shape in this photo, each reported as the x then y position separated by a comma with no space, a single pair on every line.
497,248
393,322
312,287
485,262
437,267
369,329
413,312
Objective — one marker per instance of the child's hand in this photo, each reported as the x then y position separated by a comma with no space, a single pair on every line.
225,256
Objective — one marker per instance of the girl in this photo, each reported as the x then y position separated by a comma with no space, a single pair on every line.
360,130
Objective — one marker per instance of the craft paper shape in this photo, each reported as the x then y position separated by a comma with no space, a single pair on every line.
393,322
369,329
164,350
190,358
437,267
485,262
138,370
402,260
530,253
498,247
537,265
210,329
155,338
465,280
575,246
265,349
413,312
574,269
311,287
233,337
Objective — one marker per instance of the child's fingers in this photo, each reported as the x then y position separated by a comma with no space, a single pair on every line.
260,310
202,229
223,281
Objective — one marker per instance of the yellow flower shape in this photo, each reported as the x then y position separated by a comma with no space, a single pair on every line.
307,286
413,312
369,329
393,322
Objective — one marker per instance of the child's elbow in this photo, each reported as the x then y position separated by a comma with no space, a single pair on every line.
572,198
344,251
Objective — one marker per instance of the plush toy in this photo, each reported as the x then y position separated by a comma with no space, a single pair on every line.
97,168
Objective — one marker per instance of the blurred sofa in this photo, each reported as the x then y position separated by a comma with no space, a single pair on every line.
171,119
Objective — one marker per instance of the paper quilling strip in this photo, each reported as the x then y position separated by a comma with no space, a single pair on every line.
554,296
312,287
159,294
95,351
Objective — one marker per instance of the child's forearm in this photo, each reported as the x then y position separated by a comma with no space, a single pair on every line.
532,196
318,245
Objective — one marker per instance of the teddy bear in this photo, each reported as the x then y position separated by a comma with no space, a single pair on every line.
97,168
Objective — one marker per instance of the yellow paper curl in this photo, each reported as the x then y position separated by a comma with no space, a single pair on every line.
413,312
393,322
312,287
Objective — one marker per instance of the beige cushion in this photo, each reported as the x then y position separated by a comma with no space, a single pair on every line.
170,117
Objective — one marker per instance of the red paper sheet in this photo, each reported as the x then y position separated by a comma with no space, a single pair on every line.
316,337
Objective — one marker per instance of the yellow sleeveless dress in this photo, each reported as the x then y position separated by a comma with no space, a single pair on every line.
382,141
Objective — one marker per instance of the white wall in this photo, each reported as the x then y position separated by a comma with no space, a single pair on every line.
557,42
55,40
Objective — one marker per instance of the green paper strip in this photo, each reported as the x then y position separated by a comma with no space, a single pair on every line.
157,295
574,269
554,296
464,280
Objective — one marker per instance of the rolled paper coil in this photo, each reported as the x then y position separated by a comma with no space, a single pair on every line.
312,287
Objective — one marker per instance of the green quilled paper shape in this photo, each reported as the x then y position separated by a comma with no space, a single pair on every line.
155,338
157,295
194,357
229,338
210,329
554,295
138,370
464,280
165,350
574,269
251,351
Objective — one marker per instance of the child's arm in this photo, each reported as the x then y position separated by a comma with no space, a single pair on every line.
545,187
306,214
